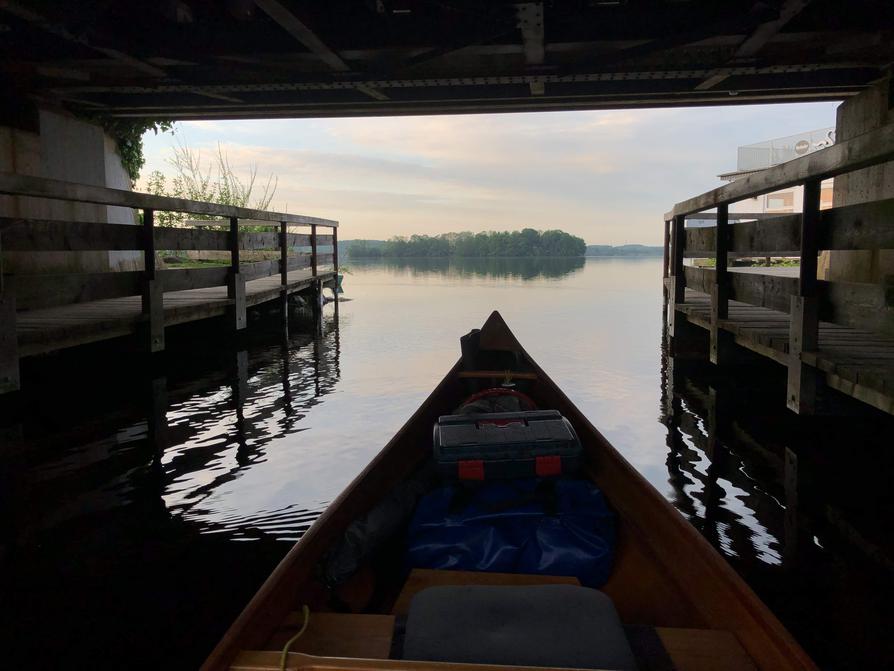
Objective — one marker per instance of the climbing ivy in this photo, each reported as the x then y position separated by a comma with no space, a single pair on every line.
128,134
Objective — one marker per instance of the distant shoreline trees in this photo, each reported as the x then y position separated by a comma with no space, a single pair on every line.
524,243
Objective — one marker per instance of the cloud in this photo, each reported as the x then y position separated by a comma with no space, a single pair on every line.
608,176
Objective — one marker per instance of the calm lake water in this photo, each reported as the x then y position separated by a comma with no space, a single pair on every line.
140,509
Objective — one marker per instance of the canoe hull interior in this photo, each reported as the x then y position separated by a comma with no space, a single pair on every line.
666,574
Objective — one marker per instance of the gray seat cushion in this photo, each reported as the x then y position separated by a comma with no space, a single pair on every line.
532,625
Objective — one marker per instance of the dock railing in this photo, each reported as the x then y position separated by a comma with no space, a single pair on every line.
298,249
805,298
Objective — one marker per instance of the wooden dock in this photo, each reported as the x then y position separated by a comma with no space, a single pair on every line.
858,363
45,312
836,335
49,329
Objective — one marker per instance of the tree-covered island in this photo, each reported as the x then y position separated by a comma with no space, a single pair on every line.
524,243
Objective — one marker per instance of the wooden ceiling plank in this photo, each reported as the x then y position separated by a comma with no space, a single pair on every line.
758,39
301,32
27,14
297,29
766,31
530,23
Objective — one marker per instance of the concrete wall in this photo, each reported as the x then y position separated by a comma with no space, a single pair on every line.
63,147
862,113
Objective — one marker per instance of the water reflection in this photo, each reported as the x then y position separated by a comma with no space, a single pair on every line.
121,500
221,434
128,490
801,507
491,268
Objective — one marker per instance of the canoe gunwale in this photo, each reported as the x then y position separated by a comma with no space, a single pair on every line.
790,654
245,632
735,608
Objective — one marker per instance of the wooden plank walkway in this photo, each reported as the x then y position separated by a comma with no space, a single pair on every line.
50,329
855,362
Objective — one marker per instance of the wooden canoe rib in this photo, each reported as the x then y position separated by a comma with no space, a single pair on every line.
666,574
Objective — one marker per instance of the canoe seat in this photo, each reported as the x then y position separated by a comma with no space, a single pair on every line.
532,625
423,578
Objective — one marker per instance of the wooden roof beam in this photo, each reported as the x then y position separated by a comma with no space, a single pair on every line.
286,20
530,23
27,14
757,40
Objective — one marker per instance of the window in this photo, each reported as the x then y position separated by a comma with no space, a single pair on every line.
783,201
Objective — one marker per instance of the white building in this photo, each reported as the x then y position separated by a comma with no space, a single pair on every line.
761,155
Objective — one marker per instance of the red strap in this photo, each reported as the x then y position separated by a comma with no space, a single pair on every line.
501,391
548,465
472,469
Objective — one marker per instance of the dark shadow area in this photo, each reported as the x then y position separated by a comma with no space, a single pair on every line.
105,454
800,506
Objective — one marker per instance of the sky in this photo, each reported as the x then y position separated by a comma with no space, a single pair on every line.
606,176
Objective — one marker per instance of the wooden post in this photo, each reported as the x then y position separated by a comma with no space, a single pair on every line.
236,281
720,341
313,249
153,291
677,280
318,335
316,289
790,549
10,378
157,418
284,274
239,387
713,493
316,299
283,255
335,250
804,324
335,268
667,239
288,410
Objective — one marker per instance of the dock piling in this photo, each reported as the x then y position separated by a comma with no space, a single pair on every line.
153,289
804,324
284,276
43,313
10,378
833,337
720,342
236,280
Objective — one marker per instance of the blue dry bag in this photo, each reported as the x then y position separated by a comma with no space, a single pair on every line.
540,526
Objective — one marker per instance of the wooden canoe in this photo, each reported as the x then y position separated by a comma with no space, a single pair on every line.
666,575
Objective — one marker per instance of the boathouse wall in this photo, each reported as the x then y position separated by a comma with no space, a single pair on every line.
51,143
862,113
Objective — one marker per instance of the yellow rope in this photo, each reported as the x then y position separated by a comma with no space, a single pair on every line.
285,651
